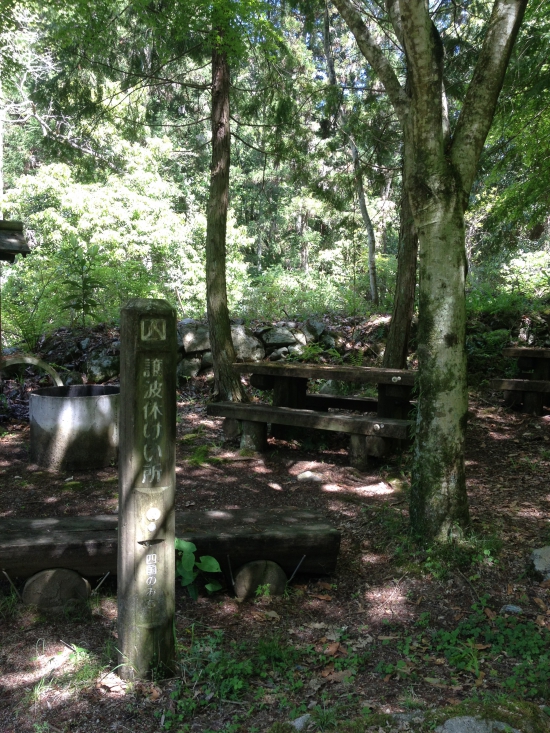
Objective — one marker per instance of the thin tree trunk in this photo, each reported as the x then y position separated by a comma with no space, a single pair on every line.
371,241
395,355
227,383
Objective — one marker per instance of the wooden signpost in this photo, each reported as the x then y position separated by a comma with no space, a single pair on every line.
146,556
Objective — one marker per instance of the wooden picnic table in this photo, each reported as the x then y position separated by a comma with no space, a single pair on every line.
370,435
289,385
532,389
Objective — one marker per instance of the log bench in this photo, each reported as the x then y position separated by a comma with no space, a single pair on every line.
364,430
531,392
233,536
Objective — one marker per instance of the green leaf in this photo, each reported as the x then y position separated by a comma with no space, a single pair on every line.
213,586
193,591
185,546
186,561
208,564
187,576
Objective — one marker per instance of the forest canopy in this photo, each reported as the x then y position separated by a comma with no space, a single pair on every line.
105,159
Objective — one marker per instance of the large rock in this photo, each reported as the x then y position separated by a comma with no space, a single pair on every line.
101,367
540,563
260,573
469,724
313,329
193,336
56,590
247,346
300,337
278,336
188,368
279,354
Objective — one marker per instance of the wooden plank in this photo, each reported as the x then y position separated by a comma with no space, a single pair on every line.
524,385
325,402
89,544
364,375
516,352
357,425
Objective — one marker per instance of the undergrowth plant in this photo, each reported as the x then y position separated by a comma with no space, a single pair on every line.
188,569
215,671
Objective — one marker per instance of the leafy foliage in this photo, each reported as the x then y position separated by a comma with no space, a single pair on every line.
188,569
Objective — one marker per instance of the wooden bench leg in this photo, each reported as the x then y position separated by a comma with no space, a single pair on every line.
361,447
254,435
231,429
288,392
533,402
512,399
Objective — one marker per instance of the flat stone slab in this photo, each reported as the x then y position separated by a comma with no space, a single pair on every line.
233,536
540,561
469,724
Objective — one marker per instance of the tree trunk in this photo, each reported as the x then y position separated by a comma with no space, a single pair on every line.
395,355
227,383
442,166
439,503
371,242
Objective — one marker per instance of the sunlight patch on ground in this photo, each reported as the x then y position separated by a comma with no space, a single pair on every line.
386,601
379,489
370,558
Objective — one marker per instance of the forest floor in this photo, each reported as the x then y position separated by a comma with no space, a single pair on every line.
397,628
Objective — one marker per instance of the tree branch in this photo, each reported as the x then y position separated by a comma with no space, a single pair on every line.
424,52
374,55
482,95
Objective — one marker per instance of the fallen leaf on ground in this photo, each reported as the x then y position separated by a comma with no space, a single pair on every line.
434,681
540,603
332,649
324,586
340,676
272,614
321,597
491,615
387,638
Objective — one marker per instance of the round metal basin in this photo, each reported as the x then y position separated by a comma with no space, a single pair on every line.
74,428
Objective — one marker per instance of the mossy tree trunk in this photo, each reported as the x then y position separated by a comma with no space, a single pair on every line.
442,164
227,383
397,344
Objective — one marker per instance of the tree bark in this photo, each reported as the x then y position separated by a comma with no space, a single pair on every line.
395,355
442,169
371,242
227,383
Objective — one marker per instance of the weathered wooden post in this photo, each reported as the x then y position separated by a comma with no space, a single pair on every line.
146,556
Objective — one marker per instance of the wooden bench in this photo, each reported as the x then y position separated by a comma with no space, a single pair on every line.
233,536
531,392
364,430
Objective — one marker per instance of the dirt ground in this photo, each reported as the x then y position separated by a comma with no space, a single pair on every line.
368,639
